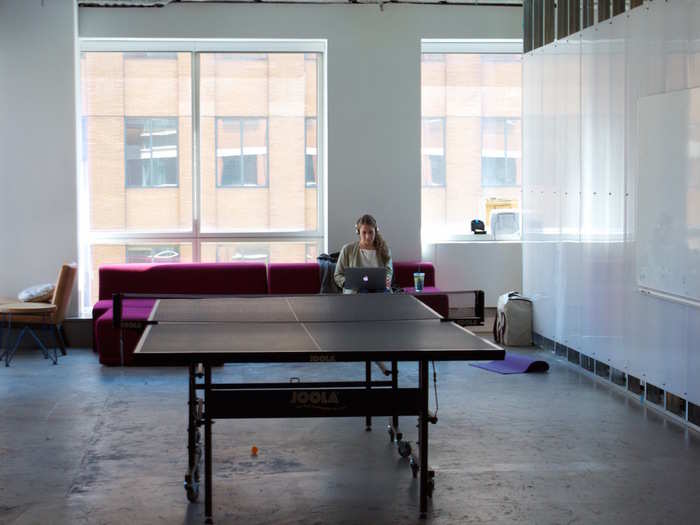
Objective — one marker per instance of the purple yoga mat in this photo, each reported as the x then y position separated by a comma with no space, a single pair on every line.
514,364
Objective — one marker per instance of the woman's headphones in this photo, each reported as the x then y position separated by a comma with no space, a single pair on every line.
357,225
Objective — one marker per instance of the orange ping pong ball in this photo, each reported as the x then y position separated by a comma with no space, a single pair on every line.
253,450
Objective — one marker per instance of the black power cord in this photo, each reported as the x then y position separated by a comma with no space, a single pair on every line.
435,387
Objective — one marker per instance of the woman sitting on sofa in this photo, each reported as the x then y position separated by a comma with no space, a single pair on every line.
370,251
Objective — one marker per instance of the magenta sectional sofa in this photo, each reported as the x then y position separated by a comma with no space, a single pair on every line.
293,278
217,279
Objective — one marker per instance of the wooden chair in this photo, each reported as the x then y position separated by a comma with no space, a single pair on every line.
48,317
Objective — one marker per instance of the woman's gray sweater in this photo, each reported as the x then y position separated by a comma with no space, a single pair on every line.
350,258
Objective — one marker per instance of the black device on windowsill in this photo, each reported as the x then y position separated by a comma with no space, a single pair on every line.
478,227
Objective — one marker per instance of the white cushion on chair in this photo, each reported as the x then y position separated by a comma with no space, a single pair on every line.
41,293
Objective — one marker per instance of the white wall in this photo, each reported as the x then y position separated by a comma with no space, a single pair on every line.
580,191
38,214
494,267
373,89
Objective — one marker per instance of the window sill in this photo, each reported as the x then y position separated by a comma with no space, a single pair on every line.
472,238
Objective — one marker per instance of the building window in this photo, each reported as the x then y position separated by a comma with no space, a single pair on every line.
498,157
151,152
311,154
241,152
433,152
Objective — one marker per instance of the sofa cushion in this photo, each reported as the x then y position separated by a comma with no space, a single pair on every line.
107,337
404,270
183,278
294,278
103,305
100,307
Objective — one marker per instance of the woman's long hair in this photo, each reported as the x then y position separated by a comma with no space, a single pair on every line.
379,242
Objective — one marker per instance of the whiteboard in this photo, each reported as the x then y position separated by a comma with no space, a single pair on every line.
668,195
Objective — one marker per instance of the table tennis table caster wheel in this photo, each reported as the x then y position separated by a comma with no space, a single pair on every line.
414,466
430,487
404,448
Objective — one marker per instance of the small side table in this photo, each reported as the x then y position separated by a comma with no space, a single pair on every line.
37,313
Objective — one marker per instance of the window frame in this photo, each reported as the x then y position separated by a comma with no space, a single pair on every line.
194,234
485,46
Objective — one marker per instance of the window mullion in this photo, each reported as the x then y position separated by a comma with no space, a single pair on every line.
444,149
505,150
242,174
267,150
196,160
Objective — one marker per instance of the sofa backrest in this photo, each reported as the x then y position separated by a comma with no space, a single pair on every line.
233,278
184,278
294,278
403,273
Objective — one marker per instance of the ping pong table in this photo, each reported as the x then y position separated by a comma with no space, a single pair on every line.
204,332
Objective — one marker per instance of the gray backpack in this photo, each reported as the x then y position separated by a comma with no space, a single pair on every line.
513,323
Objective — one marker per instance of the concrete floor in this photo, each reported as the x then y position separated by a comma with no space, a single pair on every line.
82,443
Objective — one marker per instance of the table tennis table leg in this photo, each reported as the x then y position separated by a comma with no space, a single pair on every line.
395,434
425,480
194,447
207,448
368,382
394,386
2,345
190,422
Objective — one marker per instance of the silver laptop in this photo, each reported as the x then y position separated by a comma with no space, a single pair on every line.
365,279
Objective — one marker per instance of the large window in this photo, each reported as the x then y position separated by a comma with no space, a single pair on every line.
471,134
213,154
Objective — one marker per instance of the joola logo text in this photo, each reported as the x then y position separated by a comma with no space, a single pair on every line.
322,358
314,398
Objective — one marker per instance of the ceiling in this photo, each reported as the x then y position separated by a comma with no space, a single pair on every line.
161,3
